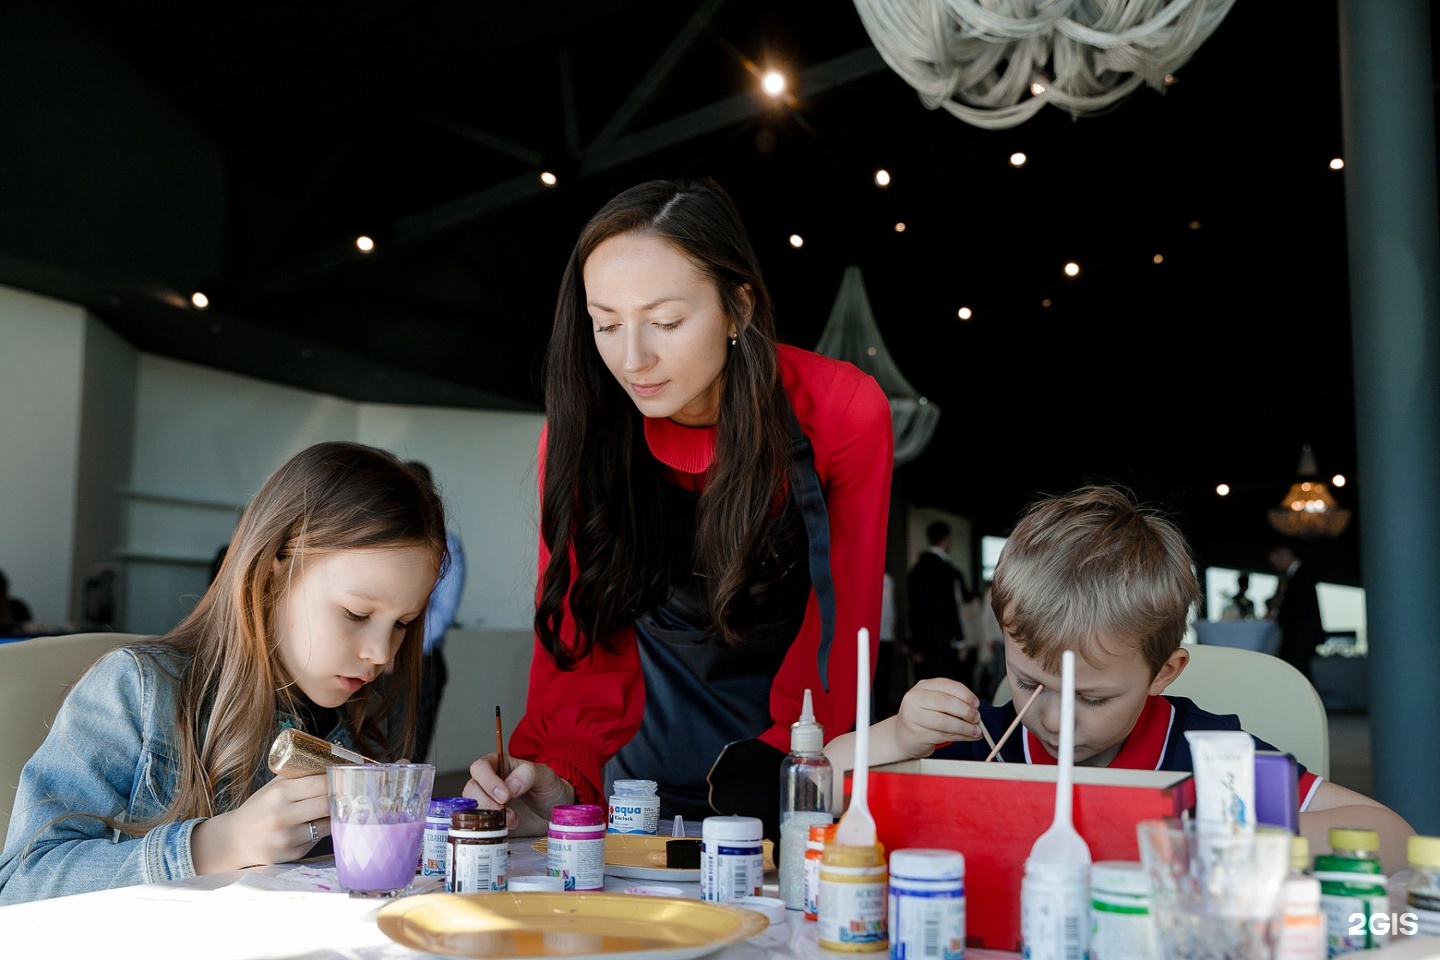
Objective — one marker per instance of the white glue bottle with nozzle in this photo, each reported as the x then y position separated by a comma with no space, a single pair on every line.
805,784
1055,891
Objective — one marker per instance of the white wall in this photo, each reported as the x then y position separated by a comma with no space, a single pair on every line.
206,440
484,464
41,361
113,456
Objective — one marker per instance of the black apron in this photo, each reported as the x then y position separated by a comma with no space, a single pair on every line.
701,693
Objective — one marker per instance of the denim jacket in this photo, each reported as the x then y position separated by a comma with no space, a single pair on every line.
110,751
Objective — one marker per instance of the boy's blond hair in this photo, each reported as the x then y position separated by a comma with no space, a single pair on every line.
1093,570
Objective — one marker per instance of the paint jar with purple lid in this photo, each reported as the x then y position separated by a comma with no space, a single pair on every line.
435,843
575,847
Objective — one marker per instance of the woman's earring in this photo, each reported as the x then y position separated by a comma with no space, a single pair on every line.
732,341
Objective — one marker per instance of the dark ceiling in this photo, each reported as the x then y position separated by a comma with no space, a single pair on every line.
239,147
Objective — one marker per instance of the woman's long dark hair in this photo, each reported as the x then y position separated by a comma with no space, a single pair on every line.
602,488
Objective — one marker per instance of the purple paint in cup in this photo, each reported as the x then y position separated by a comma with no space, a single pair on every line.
377,818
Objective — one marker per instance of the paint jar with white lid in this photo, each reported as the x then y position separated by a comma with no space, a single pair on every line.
927,904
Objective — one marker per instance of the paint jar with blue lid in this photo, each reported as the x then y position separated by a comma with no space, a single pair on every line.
435,845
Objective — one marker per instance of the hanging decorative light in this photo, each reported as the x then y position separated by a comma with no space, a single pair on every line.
1309,510
995,63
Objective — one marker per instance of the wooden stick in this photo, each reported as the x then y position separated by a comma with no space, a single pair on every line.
1014,723
499,745
989,740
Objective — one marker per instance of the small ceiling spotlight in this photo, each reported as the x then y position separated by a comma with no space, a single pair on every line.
900,227
199,300
965,313
773,83
797,241
364,244
1158,258
1337,164
882,177
1222,489
1194,224
1018,159
1338,480
1072,269
548,178
1037,88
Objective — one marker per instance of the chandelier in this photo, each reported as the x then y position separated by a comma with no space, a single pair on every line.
995,63
1309,510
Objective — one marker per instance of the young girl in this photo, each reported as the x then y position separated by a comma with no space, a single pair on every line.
155,768
713,519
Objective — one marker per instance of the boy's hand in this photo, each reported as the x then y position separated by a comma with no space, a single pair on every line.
272,826
933,712
528,794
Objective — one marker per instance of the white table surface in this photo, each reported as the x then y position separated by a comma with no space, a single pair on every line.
283,912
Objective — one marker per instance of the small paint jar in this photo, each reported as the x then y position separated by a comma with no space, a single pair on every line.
435,843
732,858
1055,910
635,807
1120,923
854,900
575,848
546,884
479,852
820,835
927,904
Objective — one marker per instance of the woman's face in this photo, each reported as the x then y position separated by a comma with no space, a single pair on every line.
659,326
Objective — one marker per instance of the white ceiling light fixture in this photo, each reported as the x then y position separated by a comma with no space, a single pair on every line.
995,63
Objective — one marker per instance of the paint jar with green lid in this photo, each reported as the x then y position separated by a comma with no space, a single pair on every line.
1352,892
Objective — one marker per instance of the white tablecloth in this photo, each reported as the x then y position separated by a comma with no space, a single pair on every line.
291,911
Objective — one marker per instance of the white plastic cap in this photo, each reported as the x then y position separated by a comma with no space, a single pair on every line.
806,736
1119,876
732,828
921,863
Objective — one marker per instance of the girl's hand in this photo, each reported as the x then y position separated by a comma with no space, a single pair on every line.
272,826
527,794
933,712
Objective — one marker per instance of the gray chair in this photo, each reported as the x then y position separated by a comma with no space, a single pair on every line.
34,678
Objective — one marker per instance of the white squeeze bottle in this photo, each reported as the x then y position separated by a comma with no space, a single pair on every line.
1055,892
805,783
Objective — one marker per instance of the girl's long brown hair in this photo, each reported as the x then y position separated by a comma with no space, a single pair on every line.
601,493
331,496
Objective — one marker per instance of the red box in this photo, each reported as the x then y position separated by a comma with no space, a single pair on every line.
993,813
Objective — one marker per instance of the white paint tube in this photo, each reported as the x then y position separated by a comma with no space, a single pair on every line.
1224,762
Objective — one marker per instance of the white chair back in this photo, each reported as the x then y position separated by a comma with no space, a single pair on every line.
34,678
1273,700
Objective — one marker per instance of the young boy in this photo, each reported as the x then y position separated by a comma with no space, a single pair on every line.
1095,572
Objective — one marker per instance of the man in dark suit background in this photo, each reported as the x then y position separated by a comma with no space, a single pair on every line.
1296,608
936,590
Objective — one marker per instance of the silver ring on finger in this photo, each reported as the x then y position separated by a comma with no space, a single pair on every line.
314,833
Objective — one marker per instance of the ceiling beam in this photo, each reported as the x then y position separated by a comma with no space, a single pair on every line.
596,159
655,77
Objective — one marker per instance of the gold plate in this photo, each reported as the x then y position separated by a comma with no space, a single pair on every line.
613,926
642,857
